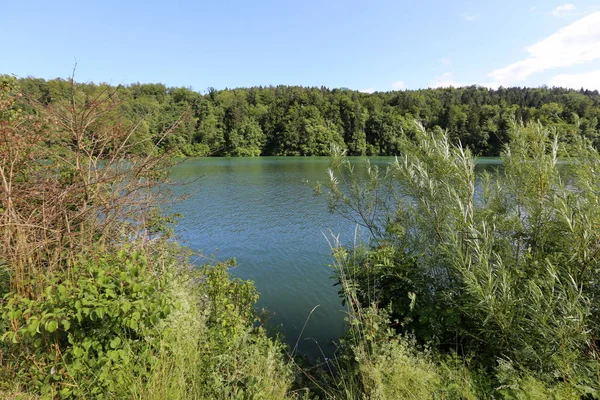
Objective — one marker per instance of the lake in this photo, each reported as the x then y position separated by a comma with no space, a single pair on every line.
262,212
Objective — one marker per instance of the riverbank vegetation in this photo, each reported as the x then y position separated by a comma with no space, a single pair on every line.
98,302
474,286
292,120
469,287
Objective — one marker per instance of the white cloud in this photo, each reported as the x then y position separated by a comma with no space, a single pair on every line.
587,80
369,90
398,85
445,61
490,85
574,44
445,80
563,10
469,16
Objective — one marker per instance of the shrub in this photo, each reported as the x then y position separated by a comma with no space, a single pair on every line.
119,327
503,267
89,333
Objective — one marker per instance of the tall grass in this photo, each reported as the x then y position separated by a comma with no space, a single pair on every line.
499,271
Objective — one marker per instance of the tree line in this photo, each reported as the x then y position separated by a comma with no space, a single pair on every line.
306,121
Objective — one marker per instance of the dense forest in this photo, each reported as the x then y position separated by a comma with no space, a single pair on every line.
300,121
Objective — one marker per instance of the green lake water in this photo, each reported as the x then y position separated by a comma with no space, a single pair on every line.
262,212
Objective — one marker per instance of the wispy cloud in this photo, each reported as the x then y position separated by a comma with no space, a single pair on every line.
445,61
563,10
445,80
469,16
586,80
574,44
369,90
398,85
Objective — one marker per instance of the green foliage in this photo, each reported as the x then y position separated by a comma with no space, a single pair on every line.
290,120
119,328
248,364
522,385
211,347
97,301
374,362
472,287
500,268
89,333
396,371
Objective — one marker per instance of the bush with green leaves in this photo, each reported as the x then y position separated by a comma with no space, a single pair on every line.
90,333
237,357
120,327
502,267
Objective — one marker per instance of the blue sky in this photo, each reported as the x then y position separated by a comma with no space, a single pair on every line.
362,45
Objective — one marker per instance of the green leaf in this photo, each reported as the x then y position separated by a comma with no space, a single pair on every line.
115,343
78,352
62,292
34,326
51,326
66,324
126,306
